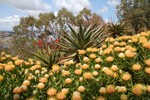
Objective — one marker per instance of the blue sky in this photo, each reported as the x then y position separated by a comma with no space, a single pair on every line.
12,10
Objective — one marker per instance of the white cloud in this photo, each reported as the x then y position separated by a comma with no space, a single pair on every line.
73,5
103,9
8,22
31,7
113,2
107,20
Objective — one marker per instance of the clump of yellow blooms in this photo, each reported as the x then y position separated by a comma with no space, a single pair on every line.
118,70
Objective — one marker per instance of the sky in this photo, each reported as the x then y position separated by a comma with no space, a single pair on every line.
12,10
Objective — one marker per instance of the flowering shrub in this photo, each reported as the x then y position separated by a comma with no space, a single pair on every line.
119,70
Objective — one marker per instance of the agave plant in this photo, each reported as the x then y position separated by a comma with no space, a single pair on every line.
47,57
74,40
117,29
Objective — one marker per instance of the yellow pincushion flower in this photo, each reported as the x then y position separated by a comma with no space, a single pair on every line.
81,89
16,97
117,49
24,87
137,89
136,67
147,62
85,66
65,90
110,89
102,90
97,66
1,78
134,39
123,97
65,73
95,73
107,51
98,60
148,88
60,96
114,67
126,76
51,91
81,52
18,62
89,49
86,59
55,68
95,49
109,59
88,75
78,71
143,40
68,81
92,56
76,96
101,98
146,45
9,67
17,90
26,82
41,85
2,53
43,80
147,70
144,34
121,55
129,54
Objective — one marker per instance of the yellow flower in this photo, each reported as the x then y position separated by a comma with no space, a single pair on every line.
109,59
144,34
121,55
65,73
86,59
147,62
110,89
143,40
129,54
97,66
16,97
65,90
43,80
148,88
137,89
76,96
92,56
89,49
9,67
1,78
2,53
147,70
104,46
126,76
135,39
146,45
68,81
102,90
14,58
117,49
24,87
78,71
55,68
114,68
81,88
17,90
123,97
101,98
121,89
18,62
107,51
84,66
95,73
88,75
26,82
51,91
60,96
95,50
41,85
136,67
81,52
